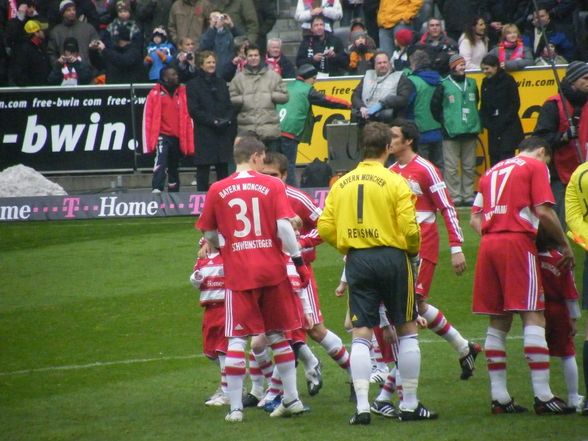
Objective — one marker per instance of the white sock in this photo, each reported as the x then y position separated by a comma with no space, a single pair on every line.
537,355
570,370
409,367
256,376
286,364
437,322
361,370
235,371
307,358
495,350
221,362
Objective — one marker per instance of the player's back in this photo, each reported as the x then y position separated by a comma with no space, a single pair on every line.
374,207
509,193
245,207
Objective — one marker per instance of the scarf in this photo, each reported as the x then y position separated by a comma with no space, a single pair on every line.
516,54
70,76
274,64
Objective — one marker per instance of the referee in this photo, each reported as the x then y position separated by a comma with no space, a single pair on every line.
370,216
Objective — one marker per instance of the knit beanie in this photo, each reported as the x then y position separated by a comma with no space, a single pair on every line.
64,5
306,71
404,36
576,70
454,60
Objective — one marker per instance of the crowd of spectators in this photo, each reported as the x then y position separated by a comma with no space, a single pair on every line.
124,41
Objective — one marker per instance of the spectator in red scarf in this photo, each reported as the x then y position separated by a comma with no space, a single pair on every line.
70,69
277,61
511,52
31,62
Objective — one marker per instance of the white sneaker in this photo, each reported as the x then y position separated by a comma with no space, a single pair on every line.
294,408
156,191
234,416
580,403
218,400
379,375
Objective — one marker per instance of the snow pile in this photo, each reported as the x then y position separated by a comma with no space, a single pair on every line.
20,181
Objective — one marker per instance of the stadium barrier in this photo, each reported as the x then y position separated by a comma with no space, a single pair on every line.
111,206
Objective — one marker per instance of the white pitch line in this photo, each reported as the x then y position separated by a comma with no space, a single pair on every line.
96,364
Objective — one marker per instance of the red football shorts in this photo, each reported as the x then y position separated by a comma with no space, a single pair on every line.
424,278
213,330
558,330
262,310
507,275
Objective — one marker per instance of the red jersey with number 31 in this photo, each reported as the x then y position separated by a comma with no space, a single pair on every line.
509,193
244,209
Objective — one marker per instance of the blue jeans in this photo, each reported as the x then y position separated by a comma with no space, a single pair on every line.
289,148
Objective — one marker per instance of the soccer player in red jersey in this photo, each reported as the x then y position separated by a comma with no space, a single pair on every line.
247,214
432,196
276,164
208,277
561,313
514,199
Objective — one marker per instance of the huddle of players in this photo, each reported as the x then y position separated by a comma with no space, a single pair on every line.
247,213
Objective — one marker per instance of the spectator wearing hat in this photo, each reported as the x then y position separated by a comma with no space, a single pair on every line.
438,45
123,62
297,120
160,53
277,61
382,94
329,10
70,26
15,34
167,129
402,40
123,20
455,106
70,69
31,65
566,137
357,25
394,15
360,53
323,50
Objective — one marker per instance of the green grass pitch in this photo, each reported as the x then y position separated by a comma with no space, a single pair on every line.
100,340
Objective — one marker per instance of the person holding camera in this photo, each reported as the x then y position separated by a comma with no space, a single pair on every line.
209,105
185,61
70,69
219,39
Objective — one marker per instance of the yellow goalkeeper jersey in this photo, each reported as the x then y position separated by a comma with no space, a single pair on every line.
370,207
577,205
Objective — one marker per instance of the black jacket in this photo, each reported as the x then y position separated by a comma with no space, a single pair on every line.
312,45
209,105
123,64
31,66
499,111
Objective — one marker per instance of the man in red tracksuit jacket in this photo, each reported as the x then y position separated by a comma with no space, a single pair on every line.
167,129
